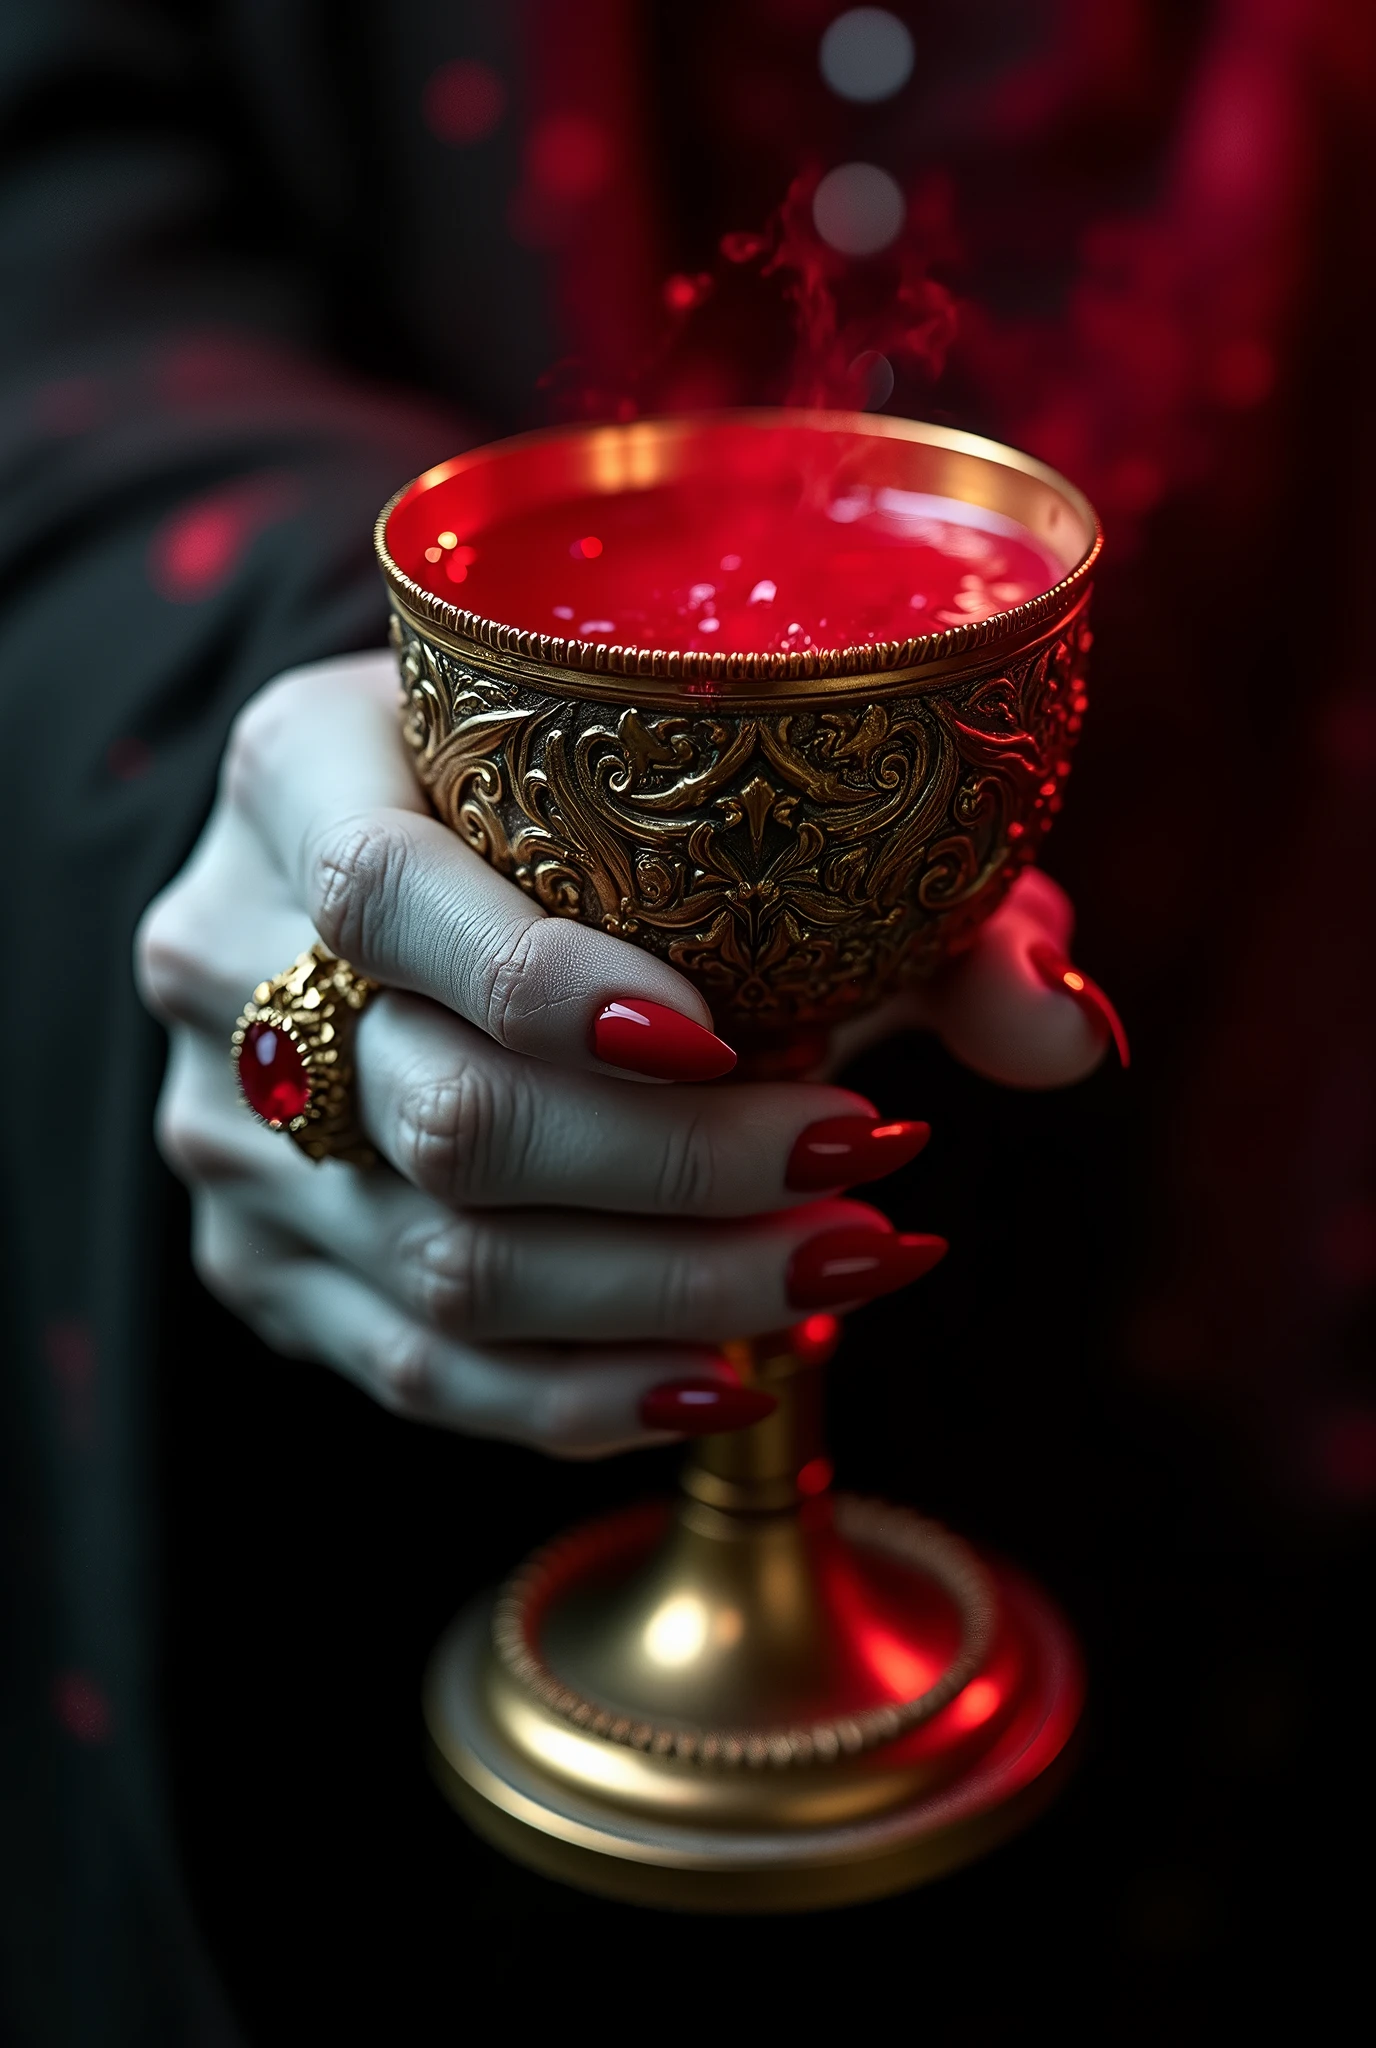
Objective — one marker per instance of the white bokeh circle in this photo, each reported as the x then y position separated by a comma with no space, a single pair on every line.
866,54
858,209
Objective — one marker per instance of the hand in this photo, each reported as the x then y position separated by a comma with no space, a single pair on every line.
555,1239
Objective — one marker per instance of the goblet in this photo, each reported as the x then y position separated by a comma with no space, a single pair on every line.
762,1696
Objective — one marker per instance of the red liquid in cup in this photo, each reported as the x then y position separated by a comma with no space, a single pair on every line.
742,567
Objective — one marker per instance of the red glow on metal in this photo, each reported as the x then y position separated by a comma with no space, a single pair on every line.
977,1704
901,1669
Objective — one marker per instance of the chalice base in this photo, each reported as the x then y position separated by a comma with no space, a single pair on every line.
700,1834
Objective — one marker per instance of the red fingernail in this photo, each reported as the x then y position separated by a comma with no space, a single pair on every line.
853,1265
1058,973
842,1150
704,1407
646,1038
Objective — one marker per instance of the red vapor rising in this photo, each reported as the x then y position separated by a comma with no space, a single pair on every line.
849,318
849,324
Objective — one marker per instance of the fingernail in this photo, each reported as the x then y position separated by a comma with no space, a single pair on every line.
853,1265
1058,973
646,1038
842,1150
704,1407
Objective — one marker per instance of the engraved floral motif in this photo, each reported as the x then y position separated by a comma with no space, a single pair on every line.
797,863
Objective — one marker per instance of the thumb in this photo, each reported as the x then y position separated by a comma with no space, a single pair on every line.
1014,1007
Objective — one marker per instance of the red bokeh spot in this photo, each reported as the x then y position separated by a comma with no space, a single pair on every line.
569,157
273,1075
682,293
70,1351
463,102
814,1477
81,1707
199,546
128,758
816,1337
589,547
1244,373
1347,1456
70,405
1135,484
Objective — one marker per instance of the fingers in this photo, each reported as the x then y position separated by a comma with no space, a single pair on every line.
319,766
1012,1007
228,922
526,1275
475,1125
570,1403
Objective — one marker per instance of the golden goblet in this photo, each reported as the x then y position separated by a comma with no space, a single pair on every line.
763,1696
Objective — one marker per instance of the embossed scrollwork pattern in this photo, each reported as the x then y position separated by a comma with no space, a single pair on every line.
796,863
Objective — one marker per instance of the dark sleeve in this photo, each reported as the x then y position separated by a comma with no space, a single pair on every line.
187,489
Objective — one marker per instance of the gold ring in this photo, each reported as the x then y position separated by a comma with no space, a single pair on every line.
293,1055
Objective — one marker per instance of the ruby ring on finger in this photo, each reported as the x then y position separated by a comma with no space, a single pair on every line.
293,1055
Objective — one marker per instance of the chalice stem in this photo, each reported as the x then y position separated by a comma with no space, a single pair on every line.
755,1470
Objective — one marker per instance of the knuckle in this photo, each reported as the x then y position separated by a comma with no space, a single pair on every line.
355,878
451,1277
253,747
689,1301
215,1257
565,1417
687,1173
169,960
192,1150
512,981
403,1372
449,1135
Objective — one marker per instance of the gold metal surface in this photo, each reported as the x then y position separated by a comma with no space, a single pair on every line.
755,1700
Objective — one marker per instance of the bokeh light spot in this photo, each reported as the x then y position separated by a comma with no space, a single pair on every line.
974,1706
858,209
81,1707
570,157
195,550
463,102
872,376
866,54
814,1477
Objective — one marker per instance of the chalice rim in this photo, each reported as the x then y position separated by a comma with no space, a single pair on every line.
584,668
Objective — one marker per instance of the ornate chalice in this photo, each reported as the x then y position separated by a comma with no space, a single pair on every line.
765,1695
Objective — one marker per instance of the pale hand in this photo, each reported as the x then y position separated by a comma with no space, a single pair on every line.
549,1239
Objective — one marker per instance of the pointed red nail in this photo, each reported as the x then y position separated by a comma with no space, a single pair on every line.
704,1407
646,1038
1068,980
856,1264
843,1150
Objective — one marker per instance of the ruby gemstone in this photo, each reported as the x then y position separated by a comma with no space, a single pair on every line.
273,1075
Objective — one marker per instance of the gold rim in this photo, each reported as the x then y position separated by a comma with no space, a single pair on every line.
565,664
